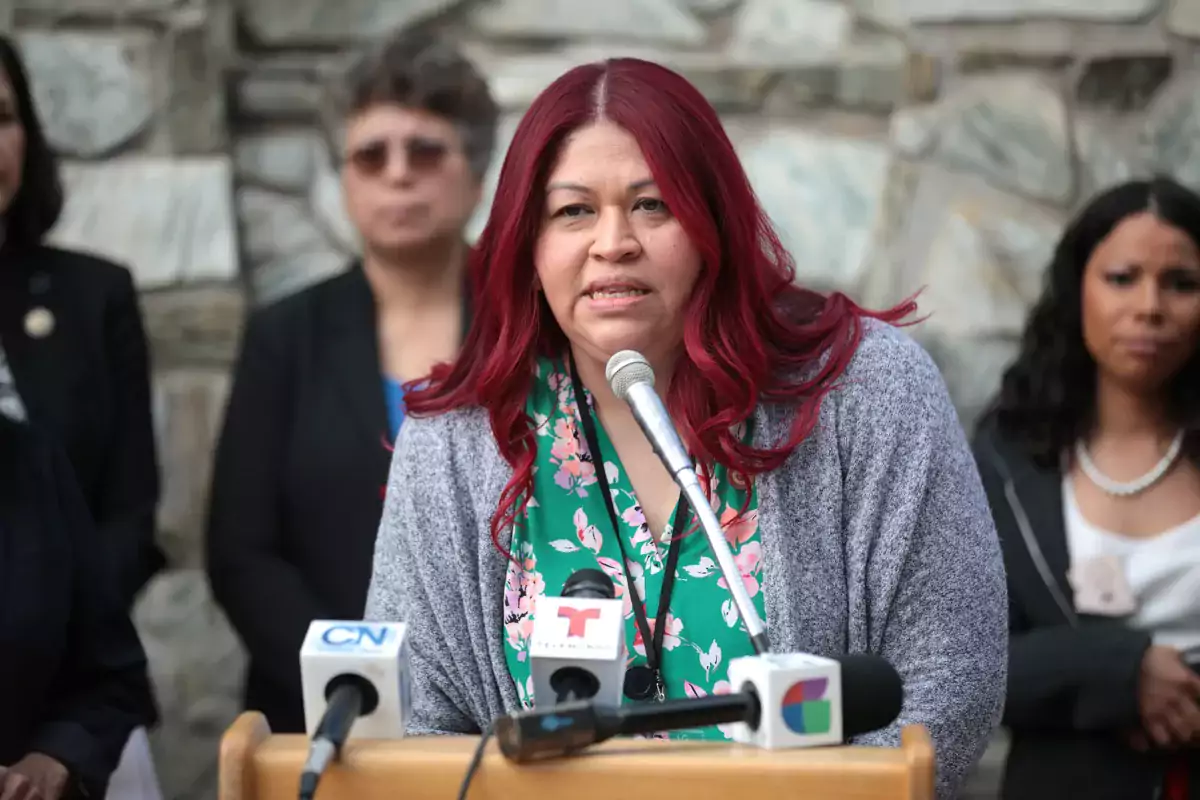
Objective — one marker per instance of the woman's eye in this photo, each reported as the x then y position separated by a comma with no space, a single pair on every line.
573,210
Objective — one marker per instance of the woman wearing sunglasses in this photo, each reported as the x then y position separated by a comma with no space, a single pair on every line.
318,395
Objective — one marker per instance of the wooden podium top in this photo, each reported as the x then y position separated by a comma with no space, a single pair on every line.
256,765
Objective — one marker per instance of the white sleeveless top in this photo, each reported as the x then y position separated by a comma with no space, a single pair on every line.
1163,572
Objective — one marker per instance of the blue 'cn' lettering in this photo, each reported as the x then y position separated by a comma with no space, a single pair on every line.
346,635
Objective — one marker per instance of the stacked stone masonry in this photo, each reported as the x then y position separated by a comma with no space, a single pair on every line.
897,144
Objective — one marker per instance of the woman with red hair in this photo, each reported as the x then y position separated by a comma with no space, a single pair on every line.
833,456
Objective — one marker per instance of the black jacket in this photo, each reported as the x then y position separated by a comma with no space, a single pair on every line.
298,481
1072,678
87,385
73,680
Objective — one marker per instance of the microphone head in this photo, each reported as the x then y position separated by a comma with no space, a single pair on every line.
626,368
577,645
872,693
335,652
812,701
589,583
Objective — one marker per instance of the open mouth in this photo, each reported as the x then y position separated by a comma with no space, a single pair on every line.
616,293
615,289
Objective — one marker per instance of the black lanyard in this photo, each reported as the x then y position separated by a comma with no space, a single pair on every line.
641,683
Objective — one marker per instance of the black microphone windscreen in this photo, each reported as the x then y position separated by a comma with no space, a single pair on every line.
589,583
872,693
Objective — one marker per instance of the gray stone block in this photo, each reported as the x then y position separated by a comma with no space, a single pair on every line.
59,14
885,13
978,256
504,135
1123,83
109,7
197,665
1184,18
189,404
194,325
791,29
1170,140
710,7
938,11
169,220
300,23
824,196
196,114
1106,153
329,207
661,21
1012,129
284,159
94,89
286,248
287,92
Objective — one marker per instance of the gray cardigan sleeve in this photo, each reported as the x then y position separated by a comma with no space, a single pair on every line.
919,525
422,519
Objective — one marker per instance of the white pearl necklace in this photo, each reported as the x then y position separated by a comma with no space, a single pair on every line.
1135,486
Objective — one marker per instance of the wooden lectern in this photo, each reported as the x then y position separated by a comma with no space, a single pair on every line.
258,766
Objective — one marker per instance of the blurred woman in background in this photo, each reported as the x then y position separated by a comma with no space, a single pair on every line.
1091,461
73,679
317,396
73,357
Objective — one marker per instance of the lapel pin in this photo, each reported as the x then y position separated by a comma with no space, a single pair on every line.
39,322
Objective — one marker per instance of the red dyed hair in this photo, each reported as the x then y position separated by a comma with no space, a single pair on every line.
750,331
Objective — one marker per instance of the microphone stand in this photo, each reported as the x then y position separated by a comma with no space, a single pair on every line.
652,416
689,484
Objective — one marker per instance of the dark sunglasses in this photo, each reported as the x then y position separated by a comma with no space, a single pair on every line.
423,154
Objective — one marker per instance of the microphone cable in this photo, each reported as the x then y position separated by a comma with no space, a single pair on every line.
476,760
348,696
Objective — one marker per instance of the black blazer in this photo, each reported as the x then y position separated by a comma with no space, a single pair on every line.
73,681
1072,678
87,384
298,481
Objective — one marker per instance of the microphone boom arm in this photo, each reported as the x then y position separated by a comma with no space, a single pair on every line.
651,416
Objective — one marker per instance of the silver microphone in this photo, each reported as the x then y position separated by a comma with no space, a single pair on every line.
632,379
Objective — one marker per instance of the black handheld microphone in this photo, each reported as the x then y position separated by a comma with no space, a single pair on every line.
589,583
349,697
872,688
573,682
577,648
355,678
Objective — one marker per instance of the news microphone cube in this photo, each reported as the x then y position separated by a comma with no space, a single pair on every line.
376,651
800,695
586,634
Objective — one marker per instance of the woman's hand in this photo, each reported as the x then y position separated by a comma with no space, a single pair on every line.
34,777
1168,694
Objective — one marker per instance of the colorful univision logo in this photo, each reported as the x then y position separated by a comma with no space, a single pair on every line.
805,707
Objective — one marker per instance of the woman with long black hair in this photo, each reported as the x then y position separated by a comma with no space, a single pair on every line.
1090,457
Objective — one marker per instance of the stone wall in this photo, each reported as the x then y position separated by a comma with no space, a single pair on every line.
898,144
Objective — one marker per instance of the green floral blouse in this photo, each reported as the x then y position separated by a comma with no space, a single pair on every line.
703,628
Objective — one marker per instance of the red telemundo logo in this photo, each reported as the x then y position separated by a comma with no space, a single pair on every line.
578,619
